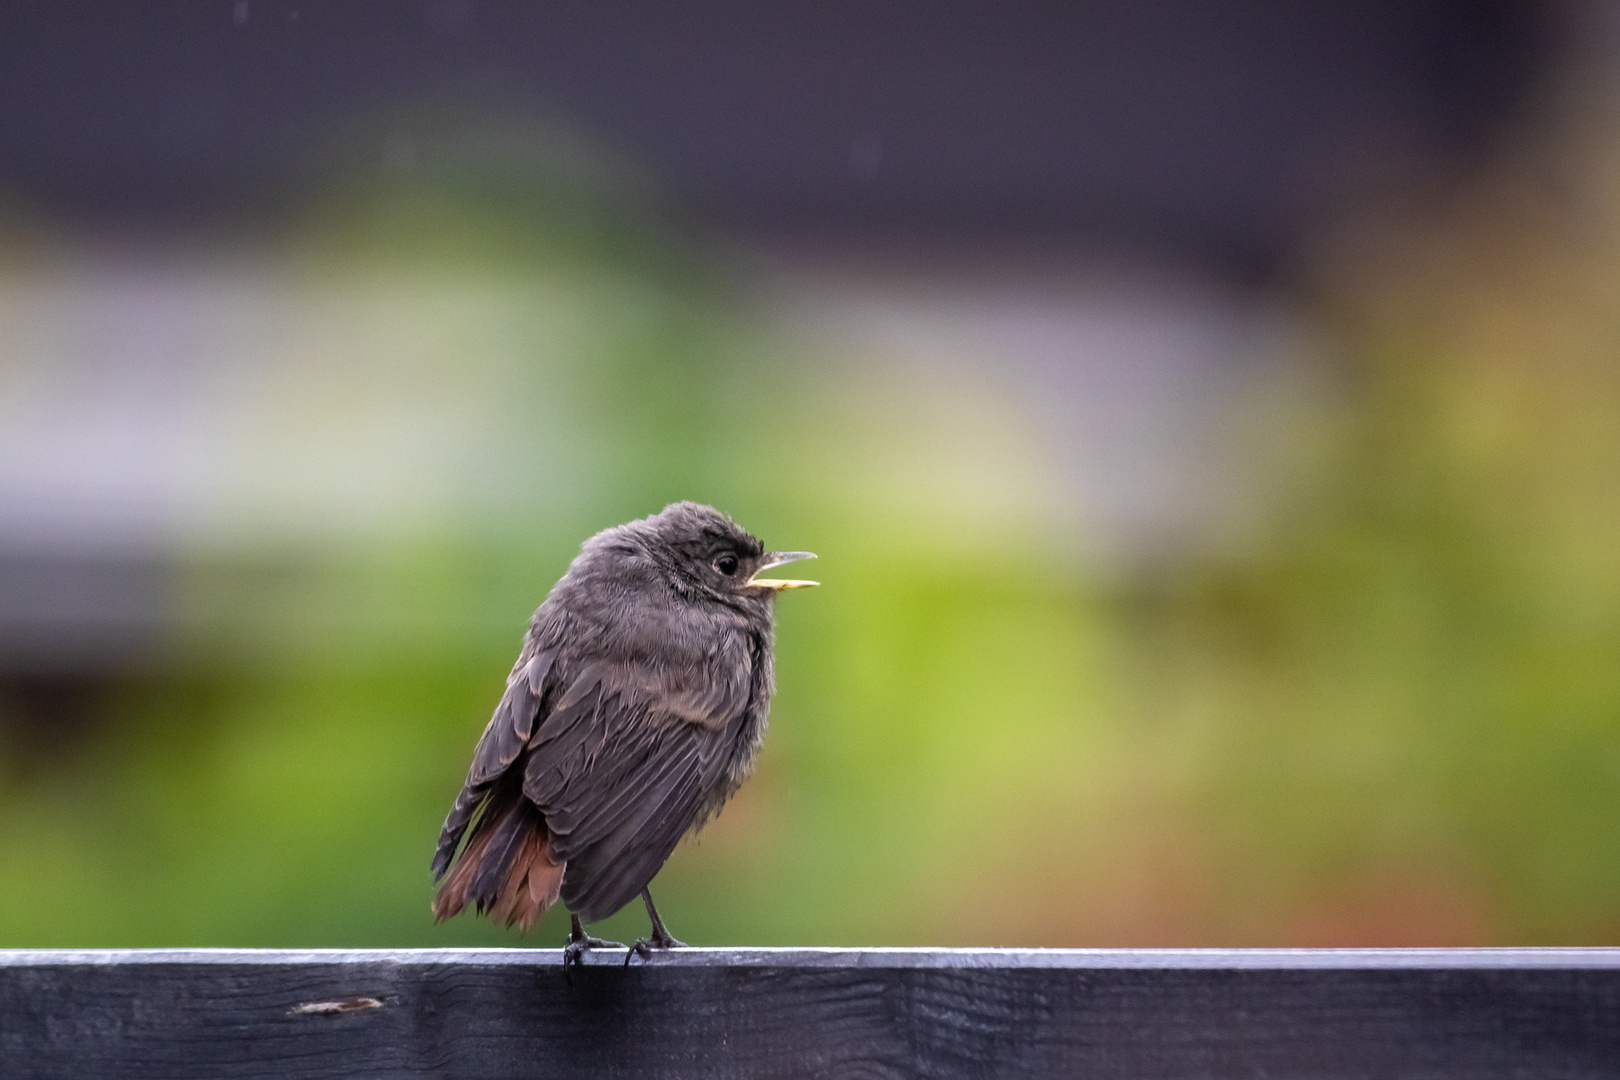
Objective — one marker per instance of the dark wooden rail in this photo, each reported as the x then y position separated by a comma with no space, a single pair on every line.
175,1014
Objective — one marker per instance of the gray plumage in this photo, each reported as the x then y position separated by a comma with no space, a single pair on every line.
635,709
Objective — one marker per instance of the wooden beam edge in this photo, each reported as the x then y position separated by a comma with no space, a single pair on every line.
884,957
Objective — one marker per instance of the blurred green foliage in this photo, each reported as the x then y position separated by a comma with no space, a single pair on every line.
1393,719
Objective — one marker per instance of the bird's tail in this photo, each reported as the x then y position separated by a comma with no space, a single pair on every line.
506,869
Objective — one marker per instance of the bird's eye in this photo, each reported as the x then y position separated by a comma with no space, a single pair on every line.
726,564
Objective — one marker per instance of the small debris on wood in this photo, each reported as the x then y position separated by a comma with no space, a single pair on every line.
333,1008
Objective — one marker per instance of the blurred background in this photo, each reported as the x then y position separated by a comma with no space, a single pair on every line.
1207,415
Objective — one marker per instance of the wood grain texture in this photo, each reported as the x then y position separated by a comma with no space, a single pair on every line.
791,1013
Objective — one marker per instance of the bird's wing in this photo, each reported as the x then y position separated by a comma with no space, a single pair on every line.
507,732
624,764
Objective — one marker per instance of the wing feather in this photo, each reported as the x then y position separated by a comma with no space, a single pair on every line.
498,747
509,729
643,835
623,769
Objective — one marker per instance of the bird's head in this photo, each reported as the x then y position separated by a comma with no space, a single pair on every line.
707,553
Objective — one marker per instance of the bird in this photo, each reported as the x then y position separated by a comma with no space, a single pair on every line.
636,708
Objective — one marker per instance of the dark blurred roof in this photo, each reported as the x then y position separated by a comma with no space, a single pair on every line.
1209,129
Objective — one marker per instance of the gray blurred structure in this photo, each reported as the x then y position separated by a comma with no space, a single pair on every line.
66,615
1214,132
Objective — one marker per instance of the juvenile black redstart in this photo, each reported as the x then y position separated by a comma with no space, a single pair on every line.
635,710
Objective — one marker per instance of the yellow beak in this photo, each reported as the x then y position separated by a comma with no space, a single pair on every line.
780,558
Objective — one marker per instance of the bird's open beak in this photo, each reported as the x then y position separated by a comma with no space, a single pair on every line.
780,558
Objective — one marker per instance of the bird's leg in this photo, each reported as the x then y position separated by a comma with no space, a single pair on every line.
661,937
578,942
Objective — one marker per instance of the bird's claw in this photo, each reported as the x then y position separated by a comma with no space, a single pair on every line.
644,947
574,952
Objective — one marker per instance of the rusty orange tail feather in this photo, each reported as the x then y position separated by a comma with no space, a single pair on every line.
520,890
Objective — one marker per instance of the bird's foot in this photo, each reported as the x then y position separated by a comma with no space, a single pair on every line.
574,952
644,948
